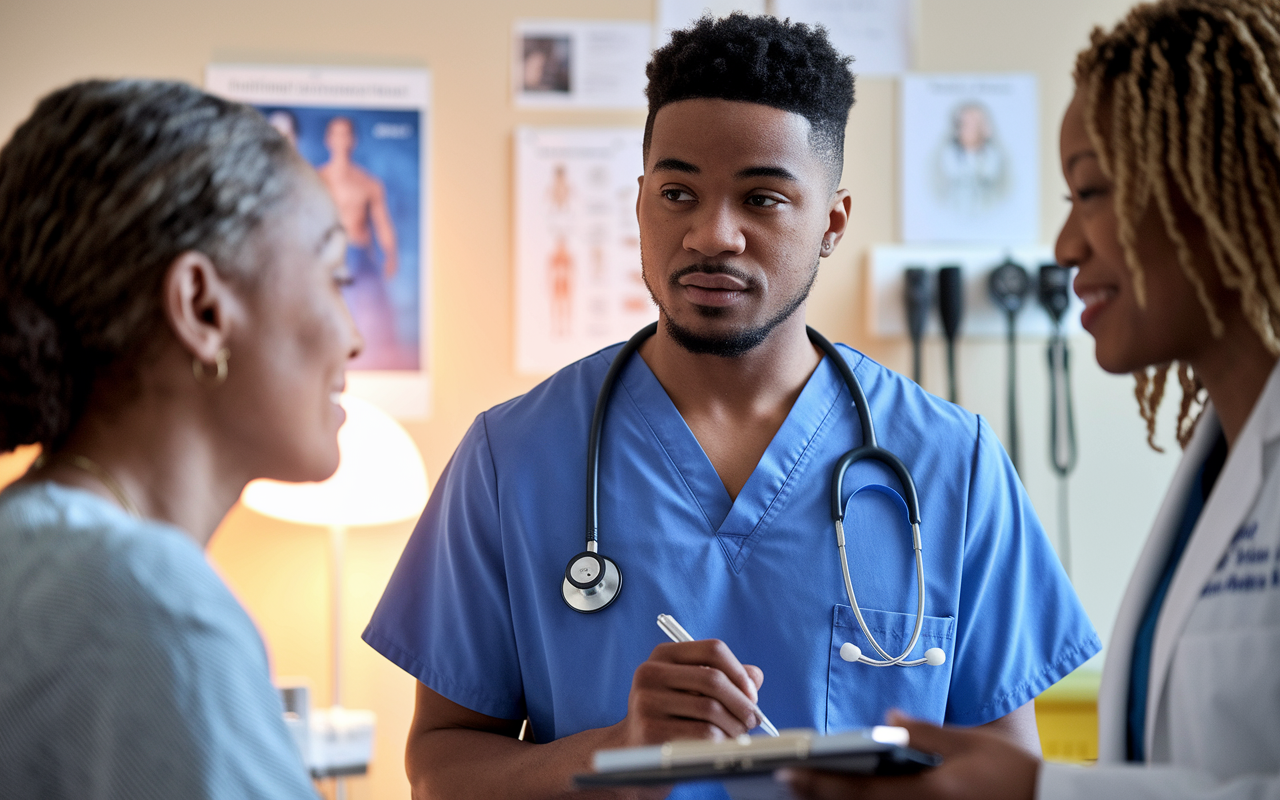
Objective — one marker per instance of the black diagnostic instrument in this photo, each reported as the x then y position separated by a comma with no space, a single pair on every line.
1055,297
918,300
951,308
1009,285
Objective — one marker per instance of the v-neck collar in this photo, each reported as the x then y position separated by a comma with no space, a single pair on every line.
739,523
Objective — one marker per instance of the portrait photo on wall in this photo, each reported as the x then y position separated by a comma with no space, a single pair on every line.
545,63
970,159
364,130
557,63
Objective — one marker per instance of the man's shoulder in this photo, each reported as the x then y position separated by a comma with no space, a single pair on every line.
561,403
896,397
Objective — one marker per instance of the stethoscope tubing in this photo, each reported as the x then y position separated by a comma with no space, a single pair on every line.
597,430
868,450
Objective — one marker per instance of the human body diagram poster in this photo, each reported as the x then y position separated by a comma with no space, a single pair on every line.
970,159
578,283
365,131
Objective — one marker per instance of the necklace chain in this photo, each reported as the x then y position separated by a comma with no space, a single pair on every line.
86,464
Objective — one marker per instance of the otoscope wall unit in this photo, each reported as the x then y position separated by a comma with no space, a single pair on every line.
886,312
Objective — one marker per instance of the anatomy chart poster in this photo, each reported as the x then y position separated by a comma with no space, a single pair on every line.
578,283
970,159
365,132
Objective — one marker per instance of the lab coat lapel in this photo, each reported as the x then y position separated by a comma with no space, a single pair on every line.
1233,498
1113,695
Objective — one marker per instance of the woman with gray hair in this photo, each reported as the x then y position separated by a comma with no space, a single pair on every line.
171,327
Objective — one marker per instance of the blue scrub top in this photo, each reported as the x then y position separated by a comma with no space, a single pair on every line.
474,609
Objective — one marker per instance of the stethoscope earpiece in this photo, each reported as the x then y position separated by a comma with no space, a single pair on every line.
591,582
934,657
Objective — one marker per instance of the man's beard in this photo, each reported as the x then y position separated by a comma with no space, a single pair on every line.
734,343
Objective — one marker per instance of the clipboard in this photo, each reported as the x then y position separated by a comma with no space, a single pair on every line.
881,750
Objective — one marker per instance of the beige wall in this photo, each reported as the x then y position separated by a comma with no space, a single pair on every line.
279,570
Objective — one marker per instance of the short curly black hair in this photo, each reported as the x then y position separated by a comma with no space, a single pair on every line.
758,59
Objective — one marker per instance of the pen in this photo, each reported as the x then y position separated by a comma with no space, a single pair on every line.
676,633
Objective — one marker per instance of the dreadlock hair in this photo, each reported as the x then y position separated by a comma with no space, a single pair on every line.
1188,89
758,59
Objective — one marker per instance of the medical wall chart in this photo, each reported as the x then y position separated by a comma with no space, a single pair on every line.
970,159
578,283
366,132
579,64
879,34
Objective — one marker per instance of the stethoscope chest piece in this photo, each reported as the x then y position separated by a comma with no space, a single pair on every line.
591,582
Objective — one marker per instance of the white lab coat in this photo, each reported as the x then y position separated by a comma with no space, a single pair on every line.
1213,702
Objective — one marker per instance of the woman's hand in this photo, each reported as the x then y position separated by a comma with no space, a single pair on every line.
977,765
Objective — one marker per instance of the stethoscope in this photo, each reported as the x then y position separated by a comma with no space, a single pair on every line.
592,582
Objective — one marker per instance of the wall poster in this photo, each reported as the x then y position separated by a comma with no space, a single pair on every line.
679,14
877,33
579,64
970,159
366,133
578,282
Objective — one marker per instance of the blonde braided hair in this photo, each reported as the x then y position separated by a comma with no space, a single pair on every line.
1189,88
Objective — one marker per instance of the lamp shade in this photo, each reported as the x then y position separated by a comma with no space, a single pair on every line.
380,477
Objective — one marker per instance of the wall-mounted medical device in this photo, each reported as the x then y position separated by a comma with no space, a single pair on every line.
918,300
951,312
1055,297
1009,284
886,313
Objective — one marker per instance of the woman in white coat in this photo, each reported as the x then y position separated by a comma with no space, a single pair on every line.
1171,152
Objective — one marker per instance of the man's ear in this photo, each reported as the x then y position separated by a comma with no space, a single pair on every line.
199,305
837,219
639,194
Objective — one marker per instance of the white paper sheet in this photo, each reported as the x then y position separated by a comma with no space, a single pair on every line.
579,64
578,284
675,14
877,33
970,159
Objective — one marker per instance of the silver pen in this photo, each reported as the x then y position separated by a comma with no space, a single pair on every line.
676,633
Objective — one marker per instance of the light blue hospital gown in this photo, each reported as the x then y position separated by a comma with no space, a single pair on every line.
474,609
127,668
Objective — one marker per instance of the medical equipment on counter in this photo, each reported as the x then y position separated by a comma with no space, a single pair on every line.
676,633
917,299
1055,296
592,582
334,742
951,306
1009,285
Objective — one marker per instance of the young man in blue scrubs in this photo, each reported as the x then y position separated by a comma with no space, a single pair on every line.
715,477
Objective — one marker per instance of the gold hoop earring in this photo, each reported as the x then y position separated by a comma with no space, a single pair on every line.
220,365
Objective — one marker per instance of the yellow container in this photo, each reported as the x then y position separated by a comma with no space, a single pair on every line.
1067,715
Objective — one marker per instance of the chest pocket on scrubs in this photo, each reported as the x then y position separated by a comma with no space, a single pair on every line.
859,695
882,563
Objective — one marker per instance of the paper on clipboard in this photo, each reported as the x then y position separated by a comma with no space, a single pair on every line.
745,764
